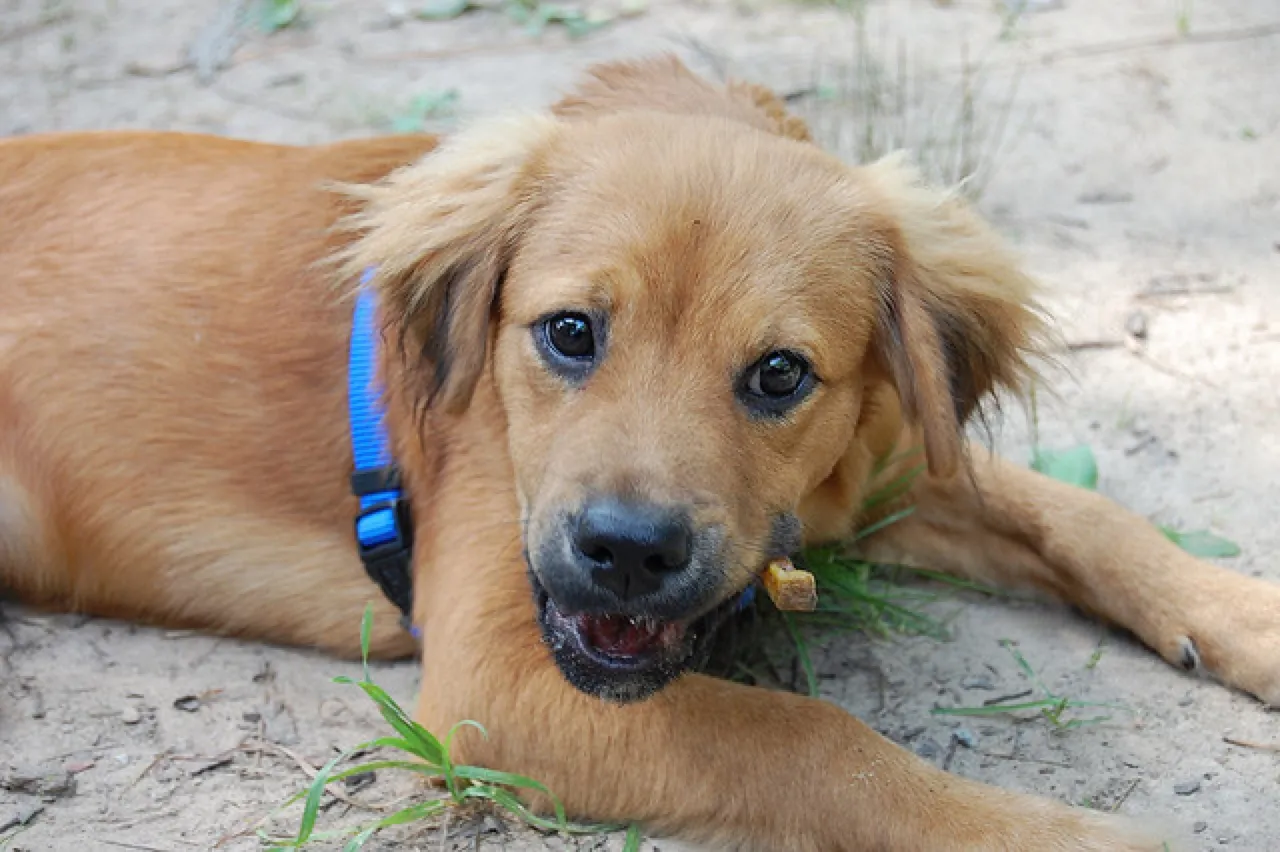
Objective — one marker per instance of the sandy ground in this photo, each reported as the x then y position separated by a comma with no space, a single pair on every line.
1140,175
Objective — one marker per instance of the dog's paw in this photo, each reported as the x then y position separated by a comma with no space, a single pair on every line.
1232,633
1057,828
1003,821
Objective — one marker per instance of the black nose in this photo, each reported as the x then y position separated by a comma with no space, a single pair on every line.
629,547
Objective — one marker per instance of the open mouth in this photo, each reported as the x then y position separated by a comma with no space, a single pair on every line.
623,658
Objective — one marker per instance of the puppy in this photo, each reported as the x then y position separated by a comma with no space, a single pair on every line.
629,351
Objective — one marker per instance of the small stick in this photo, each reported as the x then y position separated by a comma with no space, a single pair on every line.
790,589
1247,744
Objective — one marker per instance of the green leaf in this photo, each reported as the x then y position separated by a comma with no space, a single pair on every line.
312,807
356,843
276,15
425,745
508,800
413,813
893,489
442,10
366,630
406,124
882,523
1202,543
374,765
802,651
1075,466
632,843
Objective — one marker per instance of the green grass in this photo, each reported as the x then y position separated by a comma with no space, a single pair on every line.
429,757
535,16
854,596
276,15
424,107
1057,709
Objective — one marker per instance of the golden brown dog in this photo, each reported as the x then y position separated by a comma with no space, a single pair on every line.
634,348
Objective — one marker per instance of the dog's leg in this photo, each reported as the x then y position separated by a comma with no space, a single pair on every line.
737,766
1012,527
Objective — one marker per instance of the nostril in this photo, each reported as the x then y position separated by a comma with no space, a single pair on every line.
660,563
630,547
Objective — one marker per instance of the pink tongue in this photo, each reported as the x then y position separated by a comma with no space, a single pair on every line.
620,636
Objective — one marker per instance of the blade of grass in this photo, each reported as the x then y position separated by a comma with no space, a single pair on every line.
881,524
311,809
366,630
802,651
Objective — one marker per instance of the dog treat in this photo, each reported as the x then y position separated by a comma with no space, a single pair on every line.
790,589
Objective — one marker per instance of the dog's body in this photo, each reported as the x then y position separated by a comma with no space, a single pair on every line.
174,443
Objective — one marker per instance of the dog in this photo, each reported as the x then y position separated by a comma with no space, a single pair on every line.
628,350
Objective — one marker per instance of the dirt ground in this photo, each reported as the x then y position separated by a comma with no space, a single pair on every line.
1139,173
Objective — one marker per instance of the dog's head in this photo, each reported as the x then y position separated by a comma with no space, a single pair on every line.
684,313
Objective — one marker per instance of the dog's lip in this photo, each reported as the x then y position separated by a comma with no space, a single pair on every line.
675,637
616,642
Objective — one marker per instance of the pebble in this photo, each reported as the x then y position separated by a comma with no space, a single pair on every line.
187,703
359,781
978,682
1200,826
965,737
1187,788
928,749
1136,325
46,783
130,715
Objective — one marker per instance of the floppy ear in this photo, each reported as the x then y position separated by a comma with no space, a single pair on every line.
958,320
438,235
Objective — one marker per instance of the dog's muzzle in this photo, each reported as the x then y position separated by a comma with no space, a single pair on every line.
627,595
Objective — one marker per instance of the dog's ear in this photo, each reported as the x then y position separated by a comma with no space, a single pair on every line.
437,236
957,316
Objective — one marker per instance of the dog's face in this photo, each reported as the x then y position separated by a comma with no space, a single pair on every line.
682,316
679,355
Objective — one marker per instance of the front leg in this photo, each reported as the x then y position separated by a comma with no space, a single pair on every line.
737,766
1009,526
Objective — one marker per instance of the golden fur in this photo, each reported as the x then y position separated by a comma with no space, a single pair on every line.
174,448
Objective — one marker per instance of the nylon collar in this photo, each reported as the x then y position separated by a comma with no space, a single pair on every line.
384,528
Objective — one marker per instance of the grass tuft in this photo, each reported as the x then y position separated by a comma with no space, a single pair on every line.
1055,708
429,757
534,15
883,98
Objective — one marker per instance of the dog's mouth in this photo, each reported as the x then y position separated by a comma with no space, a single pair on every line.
624,658
622,639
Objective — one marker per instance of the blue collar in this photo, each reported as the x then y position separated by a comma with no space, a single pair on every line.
384,527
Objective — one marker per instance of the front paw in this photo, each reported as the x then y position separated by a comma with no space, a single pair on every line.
1015,822
1231,632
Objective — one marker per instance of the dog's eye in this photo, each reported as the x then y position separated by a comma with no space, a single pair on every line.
570,336
776,382
777,374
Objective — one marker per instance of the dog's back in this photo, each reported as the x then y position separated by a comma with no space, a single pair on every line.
172,364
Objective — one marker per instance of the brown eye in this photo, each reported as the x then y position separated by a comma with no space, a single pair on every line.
570,336
776,383
777,374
